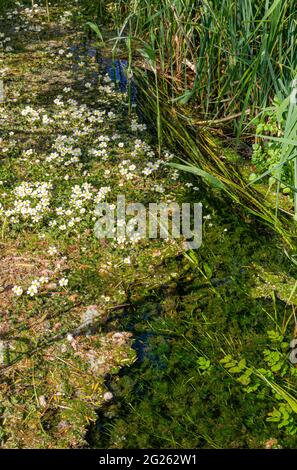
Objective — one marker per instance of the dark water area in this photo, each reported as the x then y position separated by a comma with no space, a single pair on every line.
170,399
116,69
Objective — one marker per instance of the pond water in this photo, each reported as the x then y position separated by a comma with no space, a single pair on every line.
166,399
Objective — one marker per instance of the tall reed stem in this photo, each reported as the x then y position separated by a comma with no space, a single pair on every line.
47,10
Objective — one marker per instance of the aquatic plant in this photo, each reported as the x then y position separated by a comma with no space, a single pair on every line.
236,50
203,155
276,148
216,57
201,339
66,145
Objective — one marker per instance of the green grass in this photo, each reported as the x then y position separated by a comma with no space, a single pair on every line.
203,155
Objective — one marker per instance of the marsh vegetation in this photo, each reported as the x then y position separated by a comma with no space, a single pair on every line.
139,343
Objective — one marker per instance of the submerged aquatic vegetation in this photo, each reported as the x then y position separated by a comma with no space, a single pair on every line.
185,391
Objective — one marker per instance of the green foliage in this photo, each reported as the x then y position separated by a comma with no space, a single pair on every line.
267,152
225,57
214,182
180,395
204,365
96,30
204,156
276,368
284,416
277,154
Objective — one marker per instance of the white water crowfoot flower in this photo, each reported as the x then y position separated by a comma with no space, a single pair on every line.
17,290
63,282
52,250
107,396
32,290
32,202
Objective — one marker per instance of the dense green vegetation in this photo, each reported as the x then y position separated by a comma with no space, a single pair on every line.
218,66
203,341
116,344
226,56
208,71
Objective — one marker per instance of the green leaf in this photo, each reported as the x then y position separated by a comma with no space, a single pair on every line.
96,29
207,270
212,180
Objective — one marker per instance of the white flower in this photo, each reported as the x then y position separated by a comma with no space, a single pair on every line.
52,250
17,290
127,260
63,282
33,289
108,396
45,119
35,283
58,102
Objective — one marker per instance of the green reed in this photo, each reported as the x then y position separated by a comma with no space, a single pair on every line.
200,153
238,50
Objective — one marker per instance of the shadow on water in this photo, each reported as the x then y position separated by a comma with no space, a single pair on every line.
165,400
116,69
